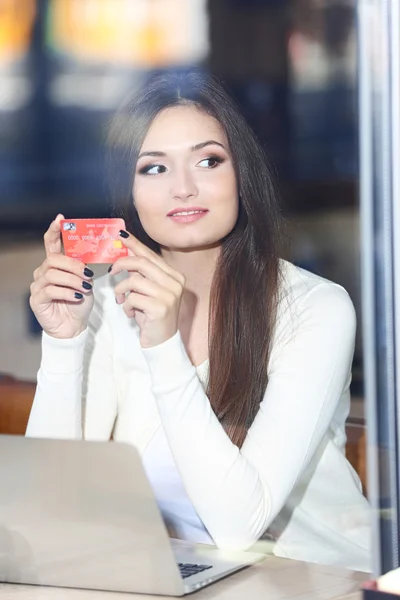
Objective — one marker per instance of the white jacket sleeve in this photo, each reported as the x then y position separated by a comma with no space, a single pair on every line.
238,493
76,376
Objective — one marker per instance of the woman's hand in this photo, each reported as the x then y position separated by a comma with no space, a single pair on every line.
61,293
151,293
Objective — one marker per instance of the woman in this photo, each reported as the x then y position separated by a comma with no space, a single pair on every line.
228,368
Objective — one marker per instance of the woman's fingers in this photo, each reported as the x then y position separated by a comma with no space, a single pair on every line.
149,270
60,278
137,283
51,293
135,301
63,263
120,298
63,279
137,247
139,250
52,237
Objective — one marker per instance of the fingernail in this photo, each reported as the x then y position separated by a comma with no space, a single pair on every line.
88,272
109,269
86,285
124,234
78,295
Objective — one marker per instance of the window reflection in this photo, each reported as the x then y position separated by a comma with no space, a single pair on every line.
322,54
142,34
291,66
16,23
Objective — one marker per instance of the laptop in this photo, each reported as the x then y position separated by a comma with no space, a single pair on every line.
82,514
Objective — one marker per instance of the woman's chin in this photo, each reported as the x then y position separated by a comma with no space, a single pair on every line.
192,246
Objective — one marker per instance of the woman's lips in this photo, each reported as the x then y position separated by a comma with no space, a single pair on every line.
187,216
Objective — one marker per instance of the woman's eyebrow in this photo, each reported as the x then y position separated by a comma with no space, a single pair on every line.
195,148
207,143
151,153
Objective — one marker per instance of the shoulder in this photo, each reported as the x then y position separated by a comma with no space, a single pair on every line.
300,288
306,299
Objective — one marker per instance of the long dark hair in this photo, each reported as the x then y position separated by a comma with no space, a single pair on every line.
245,286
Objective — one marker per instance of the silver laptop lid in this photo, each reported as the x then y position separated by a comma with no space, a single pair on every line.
81,514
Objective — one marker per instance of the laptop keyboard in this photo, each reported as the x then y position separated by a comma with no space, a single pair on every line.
188,569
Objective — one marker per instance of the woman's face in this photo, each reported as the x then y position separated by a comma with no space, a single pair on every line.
185,187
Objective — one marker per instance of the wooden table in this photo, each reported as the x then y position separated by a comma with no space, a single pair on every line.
272,579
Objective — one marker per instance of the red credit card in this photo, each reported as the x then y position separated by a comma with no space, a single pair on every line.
93,240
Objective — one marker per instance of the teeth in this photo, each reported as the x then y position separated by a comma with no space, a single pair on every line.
190,212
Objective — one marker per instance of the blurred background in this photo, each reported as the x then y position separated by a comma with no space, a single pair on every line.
65,65
294,67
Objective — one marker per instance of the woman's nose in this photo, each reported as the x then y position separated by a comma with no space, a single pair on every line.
183,185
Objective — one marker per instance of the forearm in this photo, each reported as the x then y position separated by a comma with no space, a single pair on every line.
57,406
224,487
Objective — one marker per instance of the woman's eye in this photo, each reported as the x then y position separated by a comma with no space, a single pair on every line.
152,170
211,162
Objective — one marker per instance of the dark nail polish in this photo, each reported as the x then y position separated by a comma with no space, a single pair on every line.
124,234
109,268
88,272
78,295
86,285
